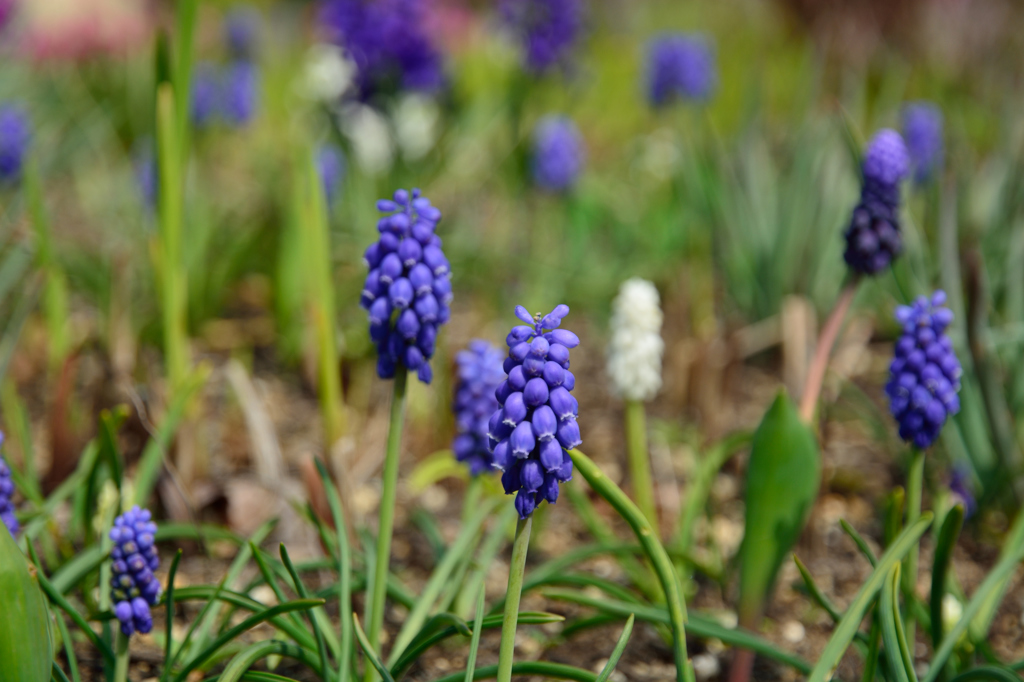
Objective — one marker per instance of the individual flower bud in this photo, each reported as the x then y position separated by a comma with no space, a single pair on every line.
544,423
522,441
536,392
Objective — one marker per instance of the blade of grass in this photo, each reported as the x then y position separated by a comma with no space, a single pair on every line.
344,572
861,543
850,624
69,649
816,594
300,588
900,662
616,654
944,545
464,544
250,622
370,654
698,625
557,671
169,610
474,642
58,600
655,553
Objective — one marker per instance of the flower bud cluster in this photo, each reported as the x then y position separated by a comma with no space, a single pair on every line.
14,139
536,421
873,238
133,587
6,495
547,29
922,129
409,289
634,354
680,67
230,93
924,376
558,153
480,373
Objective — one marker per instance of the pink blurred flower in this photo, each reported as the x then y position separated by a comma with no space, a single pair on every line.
79,29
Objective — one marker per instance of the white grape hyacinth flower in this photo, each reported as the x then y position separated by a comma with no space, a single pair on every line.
634,353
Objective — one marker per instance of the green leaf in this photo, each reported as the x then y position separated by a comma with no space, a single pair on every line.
848,626
300,589
988,673
418,646
900,662
84,563
816,594
698,625
659,559
26,647
544,669
58,600
169,609
344,571
861,543
270,648
944,545
250,622
474,643
782,483
620,646
368,651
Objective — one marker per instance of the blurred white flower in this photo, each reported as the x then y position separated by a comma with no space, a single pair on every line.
659,153
371,138
952,610
634,354
328,74
416,118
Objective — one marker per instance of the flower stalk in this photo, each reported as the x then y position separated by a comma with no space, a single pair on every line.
517,570
385,527
639,460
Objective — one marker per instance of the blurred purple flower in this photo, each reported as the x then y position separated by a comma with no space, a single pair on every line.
924,377
962,489
873,238
133,587
680,66
147,174
6,494
15,133
241,31
240,93
205,94
479,374
7,8
558,153
330,164
547,29
922,128
388,42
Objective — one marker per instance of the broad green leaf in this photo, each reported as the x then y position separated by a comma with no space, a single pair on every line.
26,649
782,483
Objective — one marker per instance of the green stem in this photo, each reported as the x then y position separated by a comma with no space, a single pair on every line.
122,658
639,460
387,513
915,482
516,572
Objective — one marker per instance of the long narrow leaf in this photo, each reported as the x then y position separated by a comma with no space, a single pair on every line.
944,545
368,651
892,626
655,553
344,572
474,643
544,669
848,626
616,654
169,609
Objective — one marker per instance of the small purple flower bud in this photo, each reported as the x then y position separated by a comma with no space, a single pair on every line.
544,423
563,337
413,358
426,308
525,503
553,374
421,279
442,289
410,252
400,293
390,268
503,458
518,335
531,475
539,348
514,410
435,259
551,455
516,378
549,489
569,380
560,354
562,403
569,434
408,324
522,441
536,392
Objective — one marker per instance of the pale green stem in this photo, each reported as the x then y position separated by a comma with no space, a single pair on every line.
516,571
122,658
640,461
389,490
915,482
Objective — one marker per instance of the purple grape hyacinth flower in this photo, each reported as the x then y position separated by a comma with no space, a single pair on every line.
330,165
873,238
240,93
241,30
15,134
388,42
924,377
680,66
535,423
960,487
558,153
922,129
408,289
480,373
147,173
6,497
547,29
133,587
205,95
